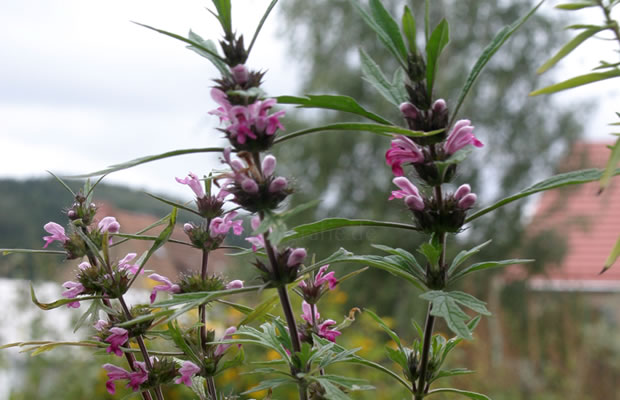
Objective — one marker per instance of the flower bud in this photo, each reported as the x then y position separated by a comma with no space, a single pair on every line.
249,185
240,73
414,203
109,224
71,214
467,201
269,165
278,184
409,110
462,191
439,106
187,227
296,257
236,284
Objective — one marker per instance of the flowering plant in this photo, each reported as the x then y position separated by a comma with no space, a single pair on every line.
424,156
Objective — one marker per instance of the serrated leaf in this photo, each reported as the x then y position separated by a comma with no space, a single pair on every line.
613,256
464,255
556,181
332,391
568,48
381,130
208,44
577,81
329,224
371,73
383,36
332,102
576,6
487,265
614,159
437,42
471,395
446,305
500,38
409,30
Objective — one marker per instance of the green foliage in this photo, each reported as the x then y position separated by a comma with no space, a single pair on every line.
437,42
577,81
332,102
446,305
372,74
409,30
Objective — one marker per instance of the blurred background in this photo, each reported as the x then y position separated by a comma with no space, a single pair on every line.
81,87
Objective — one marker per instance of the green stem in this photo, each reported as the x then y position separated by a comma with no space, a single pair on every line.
426,346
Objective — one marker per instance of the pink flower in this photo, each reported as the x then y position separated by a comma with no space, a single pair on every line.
57,233
236,284
258,241
462,191
296,257
114,374
124,264
326,332
403,151
278,184
307,312
412,196
188,370
221,348
109,224
167,286
461,136
320,279
240,73
118,338
74,289
268,165
194,183
138,377
84,266
101,325
439,106
221,226
409,110
467,201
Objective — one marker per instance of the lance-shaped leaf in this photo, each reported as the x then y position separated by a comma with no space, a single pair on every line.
260,24
577,81
332,384
556,181
613,161
224,14
613,256
464,255
569,47
371,73
465,393
409,30
57,303
208,44
500,38
329,224
576,6
6,252
447,305
437,42
486,265
386,328
261,311
332,102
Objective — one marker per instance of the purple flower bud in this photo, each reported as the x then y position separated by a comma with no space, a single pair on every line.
269,165
187,371
240,73
236,284
409,110
188,228
71,214
278,184
414,203
462,191
221,348
296,257
439,106
194,183
249,185
467,201
109,224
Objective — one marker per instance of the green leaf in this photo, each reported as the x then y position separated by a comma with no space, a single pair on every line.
63,183
576,6
446,305
332,102
261,311
464,255
173,203
446,373
409,30
371,72
577,81
147,159
500,38
568,48
352,384
384,36
385,21
177,337
437,42
271,384
381,130
487,265
332,391
431,251
57,303
260,25
614,159
613,256
427,20
6,252
397,356
224,14
329,224
386,328
208,44
556,181
406,259
471,395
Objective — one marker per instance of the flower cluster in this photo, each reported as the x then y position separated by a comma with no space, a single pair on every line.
314,324
313,288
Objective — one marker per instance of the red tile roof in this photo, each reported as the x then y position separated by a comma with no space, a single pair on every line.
590,224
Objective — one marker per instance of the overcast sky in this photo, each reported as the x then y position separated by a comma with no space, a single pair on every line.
81,87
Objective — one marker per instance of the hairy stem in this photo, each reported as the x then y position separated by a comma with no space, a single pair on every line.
426,346
202,311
